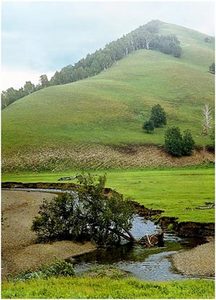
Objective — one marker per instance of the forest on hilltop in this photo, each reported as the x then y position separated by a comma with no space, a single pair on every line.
144,37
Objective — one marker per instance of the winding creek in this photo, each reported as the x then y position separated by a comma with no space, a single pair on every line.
144,263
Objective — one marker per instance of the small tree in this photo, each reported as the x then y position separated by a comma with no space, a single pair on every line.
87,214
44,80
158,116
188,143
29,87
148,126
173,141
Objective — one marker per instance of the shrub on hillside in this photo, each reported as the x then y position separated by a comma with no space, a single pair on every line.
158,116
187,143
177,145
173,141
148,126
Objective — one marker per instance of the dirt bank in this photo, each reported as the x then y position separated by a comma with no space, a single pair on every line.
19,251
187,229
92,156
197,261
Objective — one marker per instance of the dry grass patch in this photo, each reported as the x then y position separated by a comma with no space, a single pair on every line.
99,157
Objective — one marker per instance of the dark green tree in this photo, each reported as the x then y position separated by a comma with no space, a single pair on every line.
87,214
158,116
148,126
187,143
173,141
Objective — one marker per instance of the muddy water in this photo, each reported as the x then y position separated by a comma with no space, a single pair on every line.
144,263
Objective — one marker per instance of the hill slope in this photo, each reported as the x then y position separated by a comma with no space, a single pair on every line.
109,109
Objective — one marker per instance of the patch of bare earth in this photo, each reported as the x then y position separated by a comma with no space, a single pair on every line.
100,157
197,261
19,250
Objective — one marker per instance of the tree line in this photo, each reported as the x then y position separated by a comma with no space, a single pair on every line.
144,37
11,95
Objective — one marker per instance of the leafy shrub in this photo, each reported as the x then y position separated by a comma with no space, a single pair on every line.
188,143
158,116
173,141
177,145
148,126
59,268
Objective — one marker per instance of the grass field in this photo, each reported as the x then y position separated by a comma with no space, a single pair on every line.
177,191
107,288
111,107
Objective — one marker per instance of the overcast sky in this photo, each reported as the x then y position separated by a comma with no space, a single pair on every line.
41,37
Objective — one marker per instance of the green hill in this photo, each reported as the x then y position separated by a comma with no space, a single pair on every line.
110,108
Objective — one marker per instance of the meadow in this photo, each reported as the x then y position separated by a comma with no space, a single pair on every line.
177,191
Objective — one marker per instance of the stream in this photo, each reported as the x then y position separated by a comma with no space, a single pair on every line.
152,264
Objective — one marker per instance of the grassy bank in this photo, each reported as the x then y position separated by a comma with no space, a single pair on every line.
177,191
107,288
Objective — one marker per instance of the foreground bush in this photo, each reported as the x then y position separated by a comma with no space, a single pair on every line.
59,268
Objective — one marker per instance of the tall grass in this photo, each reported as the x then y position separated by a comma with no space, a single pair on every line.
107,288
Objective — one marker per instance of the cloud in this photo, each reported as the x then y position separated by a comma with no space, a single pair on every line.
17,78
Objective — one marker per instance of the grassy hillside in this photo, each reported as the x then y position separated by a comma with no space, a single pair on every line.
110,108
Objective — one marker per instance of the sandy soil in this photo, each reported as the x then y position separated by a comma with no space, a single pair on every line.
197,261
19,250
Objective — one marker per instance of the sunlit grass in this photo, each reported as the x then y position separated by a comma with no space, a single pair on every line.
107,288
176,191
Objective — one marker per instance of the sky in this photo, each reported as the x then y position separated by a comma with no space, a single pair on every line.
40,37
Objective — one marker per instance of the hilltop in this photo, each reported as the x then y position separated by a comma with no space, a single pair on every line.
80,121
